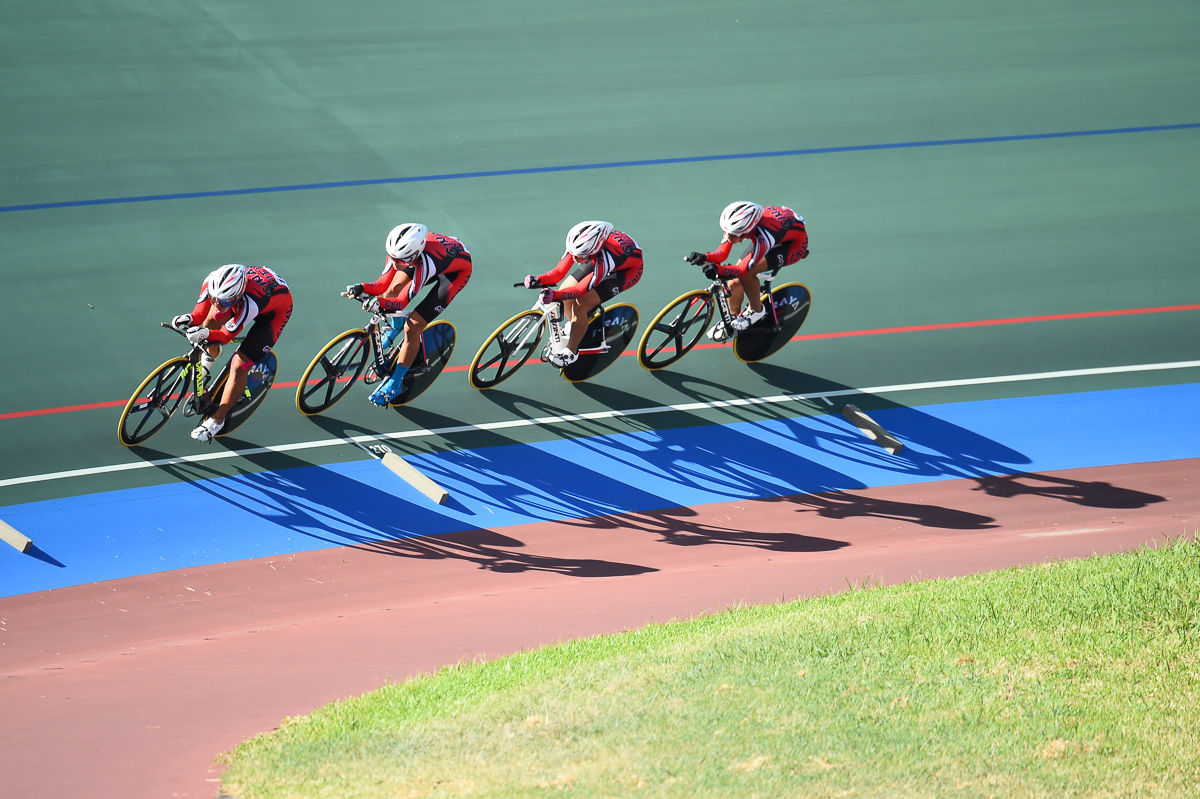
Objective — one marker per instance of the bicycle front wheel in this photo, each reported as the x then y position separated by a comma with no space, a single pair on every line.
154,401
507,350
333,372
675,330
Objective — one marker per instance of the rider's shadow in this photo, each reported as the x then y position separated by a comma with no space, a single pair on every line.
1092,494
835,502
681,526
933,447
843,505
726,462
675,465
337,510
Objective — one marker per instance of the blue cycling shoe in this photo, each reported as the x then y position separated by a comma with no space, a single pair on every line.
389,389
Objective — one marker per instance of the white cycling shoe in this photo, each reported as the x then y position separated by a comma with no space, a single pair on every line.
207,430
719,332
749,317
563,357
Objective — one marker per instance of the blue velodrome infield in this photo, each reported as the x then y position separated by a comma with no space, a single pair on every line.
124,533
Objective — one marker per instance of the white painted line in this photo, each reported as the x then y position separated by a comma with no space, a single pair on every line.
585,417
1079,531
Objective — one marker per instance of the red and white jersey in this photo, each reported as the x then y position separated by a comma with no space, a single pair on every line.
262,285
618,253
442,255
776,221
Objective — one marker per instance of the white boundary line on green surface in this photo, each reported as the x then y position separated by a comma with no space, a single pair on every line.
597,415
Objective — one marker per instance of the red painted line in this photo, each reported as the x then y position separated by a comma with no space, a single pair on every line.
990,322
813,337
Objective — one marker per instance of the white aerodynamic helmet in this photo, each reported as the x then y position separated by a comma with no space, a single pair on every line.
227,284
586,238
406,241
740,217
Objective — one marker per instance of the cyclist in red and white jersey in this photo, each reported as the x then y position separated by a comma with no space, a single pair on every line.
777,238
230,297
415,258
607,262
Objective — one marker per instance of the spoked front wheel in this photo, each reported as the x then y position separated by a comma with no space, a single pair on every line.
766,337
259,379
507,350
675,330
437,341
333,372
154,401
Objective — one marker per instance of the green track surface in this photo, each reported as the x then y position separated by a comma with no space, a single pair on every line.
103,100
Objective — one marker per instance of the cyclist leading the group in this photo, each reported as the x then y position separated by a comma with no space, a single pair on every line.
415,258
607,262
777,238
232,296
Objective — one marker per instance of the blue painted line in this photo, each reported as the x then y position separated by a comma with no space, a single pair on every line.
342,184
139,531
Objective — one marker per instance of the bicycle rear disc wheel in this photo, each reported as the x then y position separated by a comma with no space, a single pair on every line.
437,340
675,330
620,326
259,379
333,372
154,402
792,303
507,350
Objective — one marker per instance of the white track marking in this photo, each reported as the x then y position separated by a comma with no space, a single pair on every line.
598,415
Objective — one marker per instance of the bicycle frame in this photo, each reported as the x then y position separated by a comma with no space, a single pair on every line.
202,402
720,293
553,317
186,381
381,365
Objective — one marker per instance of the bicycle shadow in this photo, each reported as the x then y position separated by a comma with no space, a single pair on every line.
1091,494
337,510
841,505
727,464
957,452
677,527
933,447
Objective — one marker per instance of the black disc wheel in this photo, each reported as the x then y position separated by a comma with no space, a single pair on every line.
259,379
437,341
769,335
616,327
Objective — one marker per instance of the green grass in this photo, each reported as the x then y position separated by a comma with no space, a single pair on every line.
1078,678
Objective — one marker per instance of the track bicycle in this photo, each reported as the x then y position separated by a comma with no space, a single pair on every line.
678,327
507,349
185,381
339,364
